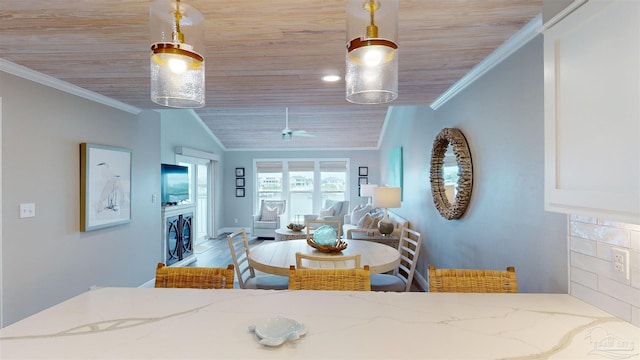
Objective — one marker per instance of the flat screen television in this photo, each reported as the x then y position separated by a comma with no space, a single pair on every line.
175,184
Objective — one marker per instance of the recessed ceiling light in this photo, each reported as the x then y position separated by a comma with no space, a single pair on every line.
331,78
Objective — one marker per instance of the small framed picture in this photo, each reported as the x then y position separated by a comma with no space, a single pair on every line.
239,192
240,182
363,180
239,172
363,171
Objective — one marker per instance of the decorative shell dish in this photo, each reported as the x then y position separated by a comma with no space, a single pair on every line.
276,330
338,247
295,227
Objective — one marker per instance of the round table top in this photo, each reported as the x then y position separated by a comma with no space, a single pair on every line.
286,231
276,257
288,234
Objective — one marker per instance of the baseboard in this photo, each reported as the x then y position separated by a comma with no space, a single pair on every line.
149,284
422,282
233,229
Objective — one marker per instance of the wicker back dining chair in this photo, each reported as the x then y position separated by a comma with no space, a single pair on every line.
194,277
248,277
472,280
329,261
330,279
402,277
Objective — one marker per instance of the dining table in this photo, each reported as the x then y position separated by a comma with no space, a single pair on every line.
166,323
276,257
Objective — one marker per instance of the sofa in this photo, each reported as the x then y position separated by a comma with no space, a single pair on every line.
351,225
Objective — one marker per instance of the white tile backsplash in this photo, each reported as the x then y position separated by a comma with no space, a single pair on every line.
584,278
591,271
584,246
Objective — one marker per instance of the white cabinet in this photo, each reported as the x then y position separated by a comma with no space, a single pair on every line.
592,111
178,224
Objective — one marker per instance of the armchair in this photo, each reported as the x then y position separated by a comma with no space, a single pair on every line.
268,219
337,209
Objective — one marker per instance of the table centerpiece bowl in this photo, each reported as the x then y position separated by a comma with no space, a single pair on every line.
295,227
337,247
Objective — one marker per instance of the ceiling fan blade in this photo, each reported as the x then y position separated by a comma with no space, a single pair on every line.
303,133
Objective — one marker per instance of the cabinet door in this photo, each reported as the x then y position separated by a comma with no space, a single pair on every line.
592,112
187,234
173,246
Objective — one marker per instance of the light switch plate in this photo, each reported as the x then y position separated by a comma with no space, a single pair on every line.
27,210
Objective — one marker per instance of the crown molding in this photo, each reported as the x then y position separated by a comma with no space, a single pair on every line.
515,42
562,14
43,79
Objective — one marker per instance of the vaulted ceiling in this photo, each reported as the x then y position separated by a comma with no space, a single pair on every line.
261,57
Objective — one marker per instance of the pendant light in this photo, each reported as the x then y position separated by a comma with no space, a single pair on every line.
372,51
177,67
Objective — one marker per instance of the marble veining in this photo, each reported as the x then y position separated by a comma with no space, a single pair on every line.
156,323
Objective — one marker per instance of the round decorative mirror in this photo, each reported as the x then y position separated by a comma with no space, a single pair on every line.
451,173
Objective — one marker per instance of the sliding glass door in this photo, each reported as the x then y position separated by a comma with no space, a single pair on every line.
200,191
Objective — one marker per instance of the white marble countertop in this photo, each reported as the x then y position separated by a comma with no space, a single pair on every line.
147,323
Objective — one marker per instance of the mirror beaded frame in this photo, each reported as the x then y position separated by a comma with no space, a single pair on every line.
455,138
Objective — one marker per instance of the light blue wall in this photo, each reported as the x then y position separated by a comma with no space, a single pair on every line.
46,259
501,115
184,128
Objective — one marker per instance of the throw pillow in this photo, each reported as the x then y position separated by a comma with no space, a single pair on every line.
358,213
326,212
269,214
365,222
351,214
374,223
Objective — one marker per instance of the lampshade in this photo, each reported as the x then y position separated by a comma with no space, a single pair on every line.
366,190
372,51
177,63
386,197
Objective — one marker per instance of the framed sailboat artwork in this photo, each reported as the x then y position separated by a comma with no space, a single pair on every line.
105,186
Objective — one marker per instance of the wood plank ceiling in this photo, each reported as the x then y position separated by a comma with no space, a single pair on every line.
260,58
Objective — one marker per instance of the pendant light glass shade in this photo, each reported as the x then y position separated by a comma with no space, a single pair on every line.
372,51
177,67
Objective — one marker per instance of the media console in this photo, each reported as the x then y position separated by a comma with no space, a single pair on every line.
178,224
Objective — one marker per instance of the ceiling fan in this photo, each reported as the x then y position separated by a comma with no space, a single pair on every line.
287,134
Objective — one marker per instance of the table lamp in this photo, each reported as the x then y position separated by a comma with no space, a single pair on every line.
366,190
386,197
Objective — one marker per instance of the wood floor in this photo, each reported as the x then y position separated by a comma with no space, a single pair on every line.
216,253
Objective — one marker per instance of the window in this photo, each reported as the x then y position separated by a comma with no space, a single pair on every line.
301,187
333,180
305,184
269,180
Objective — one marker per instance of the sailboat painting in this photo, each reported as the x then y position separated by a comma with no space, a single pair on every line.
105,186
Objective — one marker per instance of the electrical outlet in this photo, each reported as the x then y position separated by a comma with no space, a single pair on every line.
620,261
